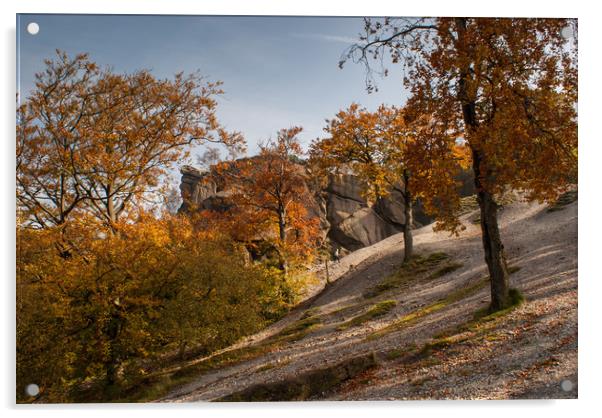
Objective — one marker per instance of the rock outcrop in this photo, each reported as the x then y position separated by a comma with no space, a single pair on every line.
346,217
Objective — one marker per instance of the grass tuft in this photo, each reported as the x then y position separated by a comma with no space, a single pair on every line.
297,330
376,311
310,312
445,270
563,200
410,272
414,316
513,269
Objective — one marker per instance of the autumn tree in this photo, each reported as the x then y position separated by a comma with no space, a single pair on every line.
97,320
388,154
507,87
93,140
269,194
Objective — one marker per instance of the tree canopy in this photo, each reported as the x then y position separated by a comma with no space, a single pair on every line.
507,87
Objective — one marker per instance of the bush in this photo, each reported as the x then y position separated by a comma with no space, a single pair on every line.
97,309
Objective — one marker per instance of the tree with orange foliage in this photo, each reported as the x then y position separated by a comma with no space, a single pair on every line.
268,195
388,154
88,325
507,87
95,141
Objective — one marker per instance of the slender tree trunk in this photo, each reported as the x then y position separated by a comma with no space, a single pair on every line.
492,243
282,232
112,332
282,226
408,240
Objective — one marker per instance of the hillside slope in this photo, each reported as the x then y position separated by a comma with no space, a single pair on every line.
419,321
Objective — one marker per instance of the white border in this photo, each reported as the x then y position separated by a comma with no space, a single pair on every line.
590,283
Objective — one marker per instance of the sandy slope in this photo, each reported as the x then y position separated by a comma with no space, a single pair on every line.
526,353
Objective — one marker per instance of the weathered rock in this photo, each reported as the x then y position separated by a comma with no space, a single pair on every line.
391,208
338,208
195,188
345,216
365,227
347,186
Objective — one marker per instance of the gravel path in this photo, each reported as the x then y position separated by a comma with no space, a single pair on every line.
527,353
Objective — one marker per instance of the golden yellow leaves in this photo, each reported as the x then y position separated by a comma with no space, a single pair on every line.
94,141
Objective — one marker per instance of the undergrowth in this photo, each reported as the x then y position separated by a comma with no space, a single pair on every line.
563,200
160,384
376,311
411,272
478,328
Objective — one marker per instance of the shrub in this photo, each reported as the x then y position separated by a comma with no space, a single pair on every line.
100,310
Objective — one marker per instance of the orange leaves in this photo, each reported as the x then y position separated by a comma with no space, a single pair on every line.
112,299
101,142
267,195
370,144
507,88
403,148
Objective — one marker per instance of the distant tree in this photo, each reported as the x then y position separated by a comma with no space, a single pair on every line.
101,142
211,156
269,192
387,154
507,87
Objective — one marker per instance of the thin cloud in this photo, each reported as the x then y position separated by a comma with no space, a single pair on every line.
324,37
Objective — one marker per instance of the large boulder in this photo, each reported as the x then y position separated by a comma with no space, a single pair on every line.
364,227
391,208
345,216
338,208
346,186
195,188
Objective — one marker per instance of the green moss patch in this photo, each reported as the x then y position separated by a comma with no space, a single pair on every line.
300,327
376,311
516,299
414,316
410,272
448,268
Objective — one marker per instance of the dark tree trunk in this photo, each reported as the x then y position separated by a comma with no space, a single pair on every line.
408,240
282,226
112,332
282,233
492,243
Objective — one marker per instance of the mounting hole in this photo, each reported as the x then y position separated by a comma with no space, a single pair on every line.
33,28
32,389
566,32
566,385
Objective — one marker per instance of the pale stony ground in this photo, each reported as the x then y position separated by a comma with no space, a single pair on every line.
524,354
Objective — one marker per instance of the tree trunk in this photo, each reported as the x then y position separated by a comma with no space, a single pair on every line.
282,226
408,240
110,206
282,232
492,243
112,332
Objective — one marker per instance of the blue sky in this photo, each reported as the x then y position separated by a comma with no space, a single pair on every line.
277,71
